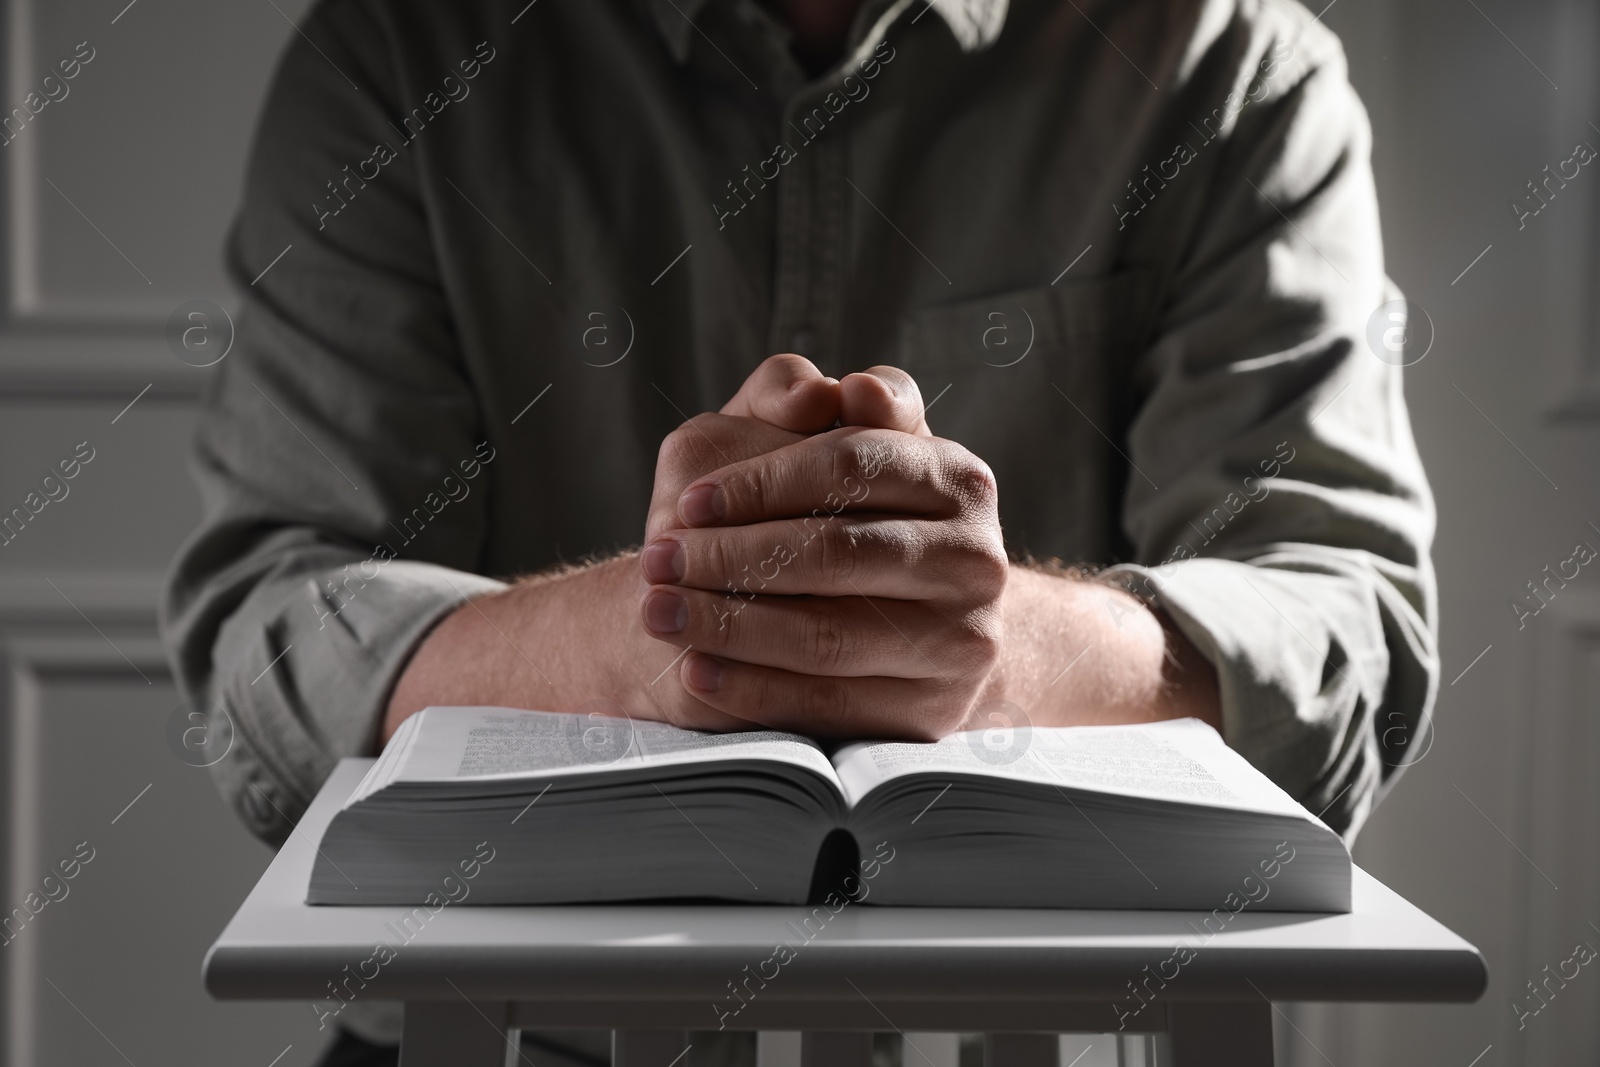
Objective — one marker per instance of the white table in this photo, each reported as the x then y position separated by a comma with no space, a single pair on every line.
473,976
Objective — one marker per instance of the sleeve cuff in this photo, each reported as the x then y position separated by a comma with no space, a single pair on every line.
309,686
1279,641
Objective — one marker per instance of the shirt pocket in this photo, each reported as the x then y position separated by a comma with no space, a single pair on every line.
1038,383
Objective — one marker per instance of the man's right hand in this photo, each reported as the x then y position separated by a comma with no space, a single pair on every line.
784,400
572,641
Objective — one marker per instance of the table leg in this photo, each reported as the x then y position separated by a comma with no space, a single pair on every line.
458,1033
1092,1050
931,1050
835,1049
1143,1050
1021,1050
778,1048
1220,1034
648,1048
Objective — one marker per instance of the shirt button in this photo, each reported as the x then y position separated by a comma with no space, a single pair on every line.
804,342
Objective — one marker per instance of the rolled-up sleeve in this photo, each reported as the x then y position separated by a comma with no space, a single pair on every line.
338,455
1279,511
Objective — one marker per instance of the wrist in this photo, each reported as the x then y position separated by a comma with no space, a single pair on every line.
1080,651
549,642
1191,687
624,652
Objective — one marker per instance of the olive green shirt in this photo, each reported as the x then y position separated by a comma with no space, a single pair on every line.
490,253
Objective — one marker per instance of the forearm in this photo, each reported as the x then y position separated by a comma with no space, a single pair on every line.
1078,652
1074,652
566,641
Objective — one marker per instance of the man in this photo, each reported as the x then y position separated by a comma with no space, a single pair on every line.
1122,255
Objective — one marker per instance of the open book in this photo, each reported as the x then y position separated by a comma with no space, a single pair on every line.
544,808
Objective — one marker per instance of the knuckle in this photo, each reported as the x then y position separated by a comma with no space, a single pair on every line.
711,557
976,484
977,566
983,638
857,455
693,445
683,449
826,642
748,492
837,552
967,479
763,689
722,628
989,570
972,643
671,450
844,457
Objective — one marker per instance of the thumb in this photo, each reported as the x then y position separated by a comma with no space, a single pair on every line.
883,397
788,391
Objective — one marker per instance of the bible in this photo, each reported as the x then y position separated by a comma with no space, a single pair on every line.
568,808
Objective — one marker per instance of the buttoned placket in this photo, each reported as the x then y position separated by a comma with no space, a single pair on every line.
815,204
812,219
810,237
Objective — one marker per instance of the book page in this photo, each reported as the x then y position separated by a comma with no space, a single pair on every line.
446,744
1183,760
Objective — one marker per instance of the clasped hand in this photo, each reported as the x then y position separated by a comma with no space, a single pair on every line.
832,581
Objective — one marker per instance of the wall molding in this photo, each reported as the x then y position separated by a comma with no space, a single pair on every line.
93,361
1573,267
1562,821
62,346
108,596
24,190
27,663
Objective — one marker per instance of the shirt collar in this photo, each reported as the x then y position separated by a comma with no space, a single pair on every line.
975,24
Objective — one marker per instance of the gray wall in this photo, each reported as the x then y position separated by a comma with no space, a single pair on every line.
115,202
116,199
1503,809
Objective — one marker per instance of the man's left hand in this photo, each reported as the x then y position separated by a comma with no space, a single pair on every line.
848,584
